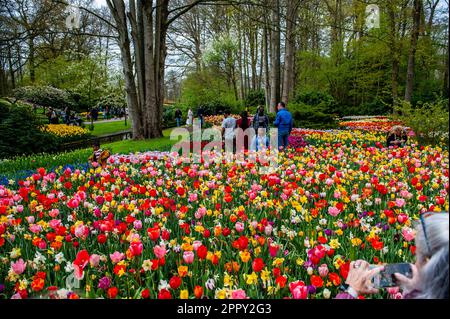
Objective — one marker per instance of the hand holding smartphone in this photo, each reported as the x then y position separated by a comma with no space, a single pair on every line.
386,277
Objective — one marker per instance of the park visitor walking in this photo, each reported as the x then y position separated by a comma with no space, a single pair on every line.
243,123
284,123
190,118
228,126
178,116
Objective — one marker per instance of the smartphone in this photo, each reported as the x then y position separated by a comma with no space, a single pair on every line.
386,277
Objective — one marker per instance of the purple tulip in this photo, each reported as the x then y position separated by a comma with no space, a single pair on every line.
311,290
2,288
104,283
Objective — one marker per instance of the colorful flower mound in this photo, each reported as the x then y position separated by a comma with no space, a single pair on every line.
64,130
379,123
218,119
150,226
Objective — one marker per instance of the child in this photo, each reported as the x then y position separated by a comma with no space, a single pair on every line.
99,155
260,142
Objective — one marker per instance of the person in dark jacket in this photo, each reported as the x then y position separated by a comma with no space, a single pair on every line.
284,123
243,123
200,112
178,116
260,120
397,136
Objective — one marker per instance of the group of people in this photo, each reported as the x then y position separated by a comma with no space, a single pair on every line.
68,117
108,112
260,123
190,117
283,121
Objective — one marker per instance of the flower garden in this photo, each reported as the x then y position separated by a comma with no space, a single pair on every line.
151,226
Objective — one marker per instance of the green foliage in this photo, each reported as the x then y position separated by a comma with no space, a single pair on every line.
112,100
86,78
255,98
21,133
45,96
318,99
429,121
208,90
311,116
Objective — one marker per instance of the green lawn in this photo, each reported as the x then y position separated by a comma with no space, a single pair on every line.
129,146
109,127
11,168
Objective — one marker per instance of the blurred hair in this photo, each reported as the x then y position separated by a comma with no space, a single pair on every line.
434,281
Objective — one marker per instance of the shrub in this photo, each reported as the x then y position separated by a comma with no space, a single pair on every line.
21,132
112,100
46,96
255,98
324,101
308,116
429,121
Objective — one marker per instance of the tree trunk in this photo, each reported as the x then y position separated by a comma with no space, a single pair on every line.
445,89
241,79
266,68
11,69
394,52
289,59
275,56
412,50
31,61
117,8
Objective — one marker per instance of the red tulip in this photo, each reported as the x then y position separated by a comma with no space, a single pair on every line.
202,251
198,291
153,233
164,294
112,292
316,281
258,264
145,293
175,282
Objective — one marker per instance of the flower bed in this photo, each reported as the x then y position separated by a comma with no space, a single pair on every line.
149,226
66,132
377,123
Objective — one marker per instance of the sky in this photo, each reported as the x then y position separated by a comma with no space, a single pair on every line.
100,3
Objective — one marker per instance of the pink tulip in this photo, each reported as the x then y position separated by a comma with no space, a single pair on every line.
188,257
392,290
94,260
19,266
116,257
298,290
19,208
196,244
400,202
239,227
402,218
160,251
53,213
42,244
323,270
137,224
408,233
35,228
238,294
333,211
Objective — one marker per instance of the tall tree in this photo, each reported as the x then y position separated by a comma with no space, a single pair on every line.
275,73
416,16
289,59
